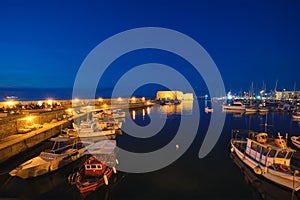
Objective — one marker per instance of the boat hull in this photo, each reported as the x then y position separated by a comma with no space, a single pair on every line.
295,141
96,133
287,180
41,165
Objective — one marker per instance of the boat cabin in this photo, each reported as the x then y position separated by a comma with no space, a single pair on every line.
93,167
268,152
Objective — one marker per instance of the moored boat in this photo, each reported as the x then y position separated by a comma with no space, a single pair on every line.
296,116
296,141
97,169
237,105
268,157
251,110
63,152
118,113
90,129
208,110
263,110
109,124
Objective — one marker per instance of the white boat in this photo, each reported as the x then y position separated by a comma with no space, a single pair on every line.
118,113
296,116
263,110
296,141
267,157
208,110
251,110
109,124
261,187
89,129
63,152
237,105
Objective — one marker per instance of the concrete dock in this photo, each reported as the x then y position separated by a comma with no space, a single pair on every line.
15,143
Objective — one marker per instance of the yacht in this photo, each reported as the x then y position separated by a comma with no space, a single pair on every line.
63,152
236,105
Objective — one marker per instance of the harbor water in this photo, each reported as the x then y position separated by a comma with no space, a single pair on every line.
219,175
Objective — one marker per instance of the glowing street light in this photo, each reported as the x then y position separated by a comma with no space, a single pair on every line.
10,103
133,99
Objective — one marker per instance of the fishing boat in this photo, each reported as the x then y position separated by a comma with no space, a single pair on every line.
237,105
97,169
63,152
109,124
296,141
261,188
268,157
118,113
90,129
263,110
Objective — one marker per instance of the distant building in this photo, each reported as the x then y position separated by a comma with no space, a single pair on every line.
173,95
287,95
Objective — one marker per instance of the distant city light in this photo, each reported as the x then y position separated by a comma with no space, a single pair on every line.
40,103
229,97
50,101
10,103
29,118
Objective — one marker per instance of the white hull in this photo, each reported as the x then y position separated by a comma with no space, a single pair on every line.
207,110
281,178
296,116
233,108
251,110
87,134
119,115
295,141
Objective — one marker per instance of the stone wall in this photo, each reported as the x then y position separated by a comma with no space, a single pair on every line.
16,124
34,118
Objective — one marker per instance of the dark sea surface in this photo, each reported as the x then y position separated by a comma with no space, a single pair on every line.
219,175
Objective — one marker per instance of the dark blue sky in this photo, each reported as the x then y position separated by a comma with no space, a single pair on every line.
43,43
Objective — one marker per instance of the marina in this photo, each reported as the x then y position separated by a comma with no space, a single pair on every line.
150,100
68,176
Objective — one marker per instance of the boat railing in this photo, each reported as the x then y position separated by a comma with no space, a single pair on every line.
60,149
48,155
242,134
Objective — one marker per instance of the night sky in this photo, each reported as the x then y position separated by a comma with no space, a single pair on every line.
43,43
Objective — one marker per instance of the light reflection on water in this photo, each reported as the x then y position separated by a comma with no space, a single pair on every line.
216,176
